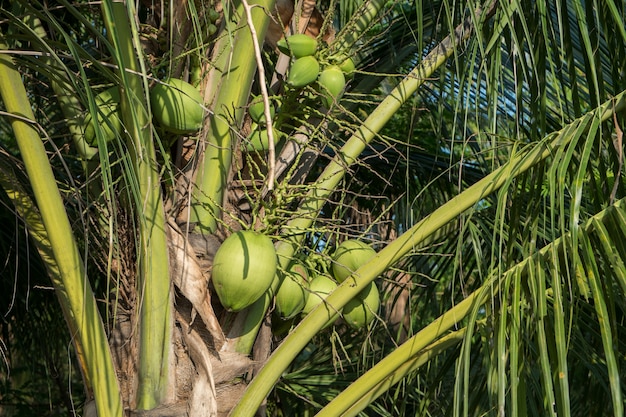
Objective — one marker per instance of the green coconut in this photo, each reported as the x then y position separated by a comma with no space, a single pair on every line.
332,81
244,267
349,256
347,66
362,309
108,117
298,45
303,71
177,106
256,109
292,293
319,288
258,140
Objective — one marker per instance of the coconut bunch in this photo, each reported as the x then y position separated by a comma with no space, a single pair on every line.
245,265
308,67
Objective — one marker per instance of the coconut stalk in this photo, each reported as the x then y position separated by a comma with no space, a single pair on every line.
155,313
385,379
228,110
413,238
52,232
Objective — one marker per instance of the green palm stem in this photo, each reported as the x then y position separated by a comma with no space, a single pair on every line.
63,256
235,83
28,213
350,34
155,314
220,56
409,241
329,179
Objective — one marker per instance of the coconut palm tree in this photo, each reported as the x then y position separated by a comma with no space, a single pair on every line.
477,147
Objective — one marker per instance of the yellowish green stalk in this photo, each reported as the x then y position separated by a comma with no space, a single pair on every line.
413,238
235,83
407,358
350,34
246,326
53,234
155,322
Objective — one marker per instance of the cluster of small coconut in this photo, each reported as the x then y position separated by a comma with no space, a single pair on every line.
307,67
175,104
245,266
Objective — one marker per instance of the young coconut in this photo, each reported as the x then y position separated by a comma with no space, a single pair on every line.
346,64
319,288
177,106
362,309
213,15
297,45
332,81
292,293
256,109
258,140
108,116
303,71
244,267
349,256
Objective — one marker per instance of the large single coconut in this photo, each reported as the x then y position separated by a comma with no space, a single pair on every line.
243,269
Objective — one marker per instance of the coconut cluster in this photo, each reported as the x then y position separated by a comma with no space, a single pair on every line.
348,257
245,266
307,67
